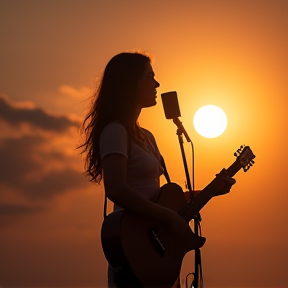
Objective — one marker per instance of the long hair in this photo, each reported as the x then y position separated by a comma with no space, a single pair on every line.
115,101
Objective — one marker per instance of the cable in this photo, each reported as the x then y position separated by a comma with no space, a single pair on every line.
192,170
196,222
186,279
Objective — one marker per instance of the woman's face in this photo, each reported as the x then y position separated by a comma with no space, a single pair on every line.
146,89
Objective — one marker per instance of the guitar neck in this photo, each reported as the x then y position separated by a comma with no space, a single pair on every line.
234,168
195,205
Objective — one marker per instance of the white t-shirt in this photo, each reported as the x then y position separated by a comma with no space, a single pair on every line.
143,166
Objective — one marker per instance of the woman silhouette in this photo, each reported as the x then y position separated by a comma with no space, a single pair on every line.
121,152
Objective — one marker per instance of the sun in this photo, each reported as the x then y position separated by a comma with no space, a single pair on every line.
210,121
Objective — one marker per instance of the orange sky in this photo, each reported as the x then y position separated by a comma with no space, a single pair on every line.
232,54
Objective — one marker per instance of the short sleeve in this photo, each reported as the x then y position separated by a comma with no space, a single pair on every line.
113,139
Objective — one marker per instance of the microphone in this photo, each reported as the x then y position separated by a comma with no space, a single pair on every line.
170,105
172,111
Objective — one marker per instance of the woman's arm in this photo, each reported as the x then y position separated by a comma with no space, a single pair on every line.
116,189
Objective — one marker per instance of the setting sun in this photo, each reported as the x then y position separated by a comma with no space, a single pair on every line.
210,121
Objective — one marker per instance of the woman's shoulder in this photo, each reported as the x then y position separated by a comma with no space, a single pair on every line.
113,139
148,133
114,127
113,131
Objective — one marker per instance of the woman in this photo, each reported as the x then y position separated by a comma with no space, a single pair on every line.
120,151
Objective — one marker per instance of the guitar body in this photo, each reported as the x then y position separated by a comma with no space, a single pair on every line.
150,251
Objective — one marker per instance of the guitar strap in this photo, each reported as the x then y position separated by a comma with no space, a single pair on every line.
165,170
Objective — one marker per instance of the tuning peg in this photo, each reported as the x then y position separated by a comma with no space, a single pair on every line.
238,152
246,168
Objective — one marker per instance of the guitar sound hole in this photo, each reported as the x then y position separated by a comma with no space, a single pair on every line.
156,242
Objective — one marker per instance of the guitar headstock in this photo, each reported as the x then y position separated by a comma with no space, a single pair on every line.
245,157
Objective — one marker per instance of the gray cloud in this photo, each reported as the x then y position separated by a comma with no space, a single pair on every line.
36,117
11,213
52,184
18,210
18,160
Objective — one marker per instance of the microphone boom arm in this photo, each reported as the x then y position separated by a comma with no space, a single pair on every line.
181,130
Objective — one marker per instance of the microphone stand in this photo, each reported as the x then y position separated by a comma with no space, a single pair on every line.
181,130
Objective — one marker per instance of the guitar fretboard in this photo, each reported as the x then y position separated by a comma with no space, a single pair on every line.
195,205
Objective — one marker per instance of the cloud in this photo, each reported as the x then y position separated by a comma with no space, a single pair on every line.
82,92
53,184
18,158
26,167
37,117
18,210
37,164
12,212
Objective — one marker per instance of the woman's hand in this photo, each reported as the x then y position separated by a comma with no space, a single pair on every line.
223,183
191,194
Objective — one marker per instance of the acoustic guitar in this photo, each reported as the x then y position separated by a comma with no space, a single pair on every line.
149,250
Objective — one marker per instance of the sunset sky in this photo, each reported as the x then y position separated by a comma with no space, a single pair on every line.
228,53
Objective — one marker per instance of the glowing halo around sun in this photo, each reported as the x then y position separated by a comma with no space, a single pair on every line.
210,121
